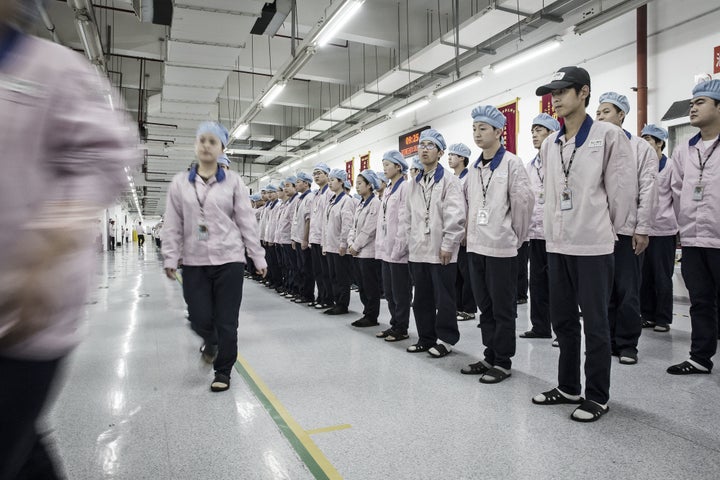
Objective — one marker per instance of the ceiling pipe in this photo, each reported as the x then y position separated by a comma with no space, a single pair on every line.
88,31
47,21
642,87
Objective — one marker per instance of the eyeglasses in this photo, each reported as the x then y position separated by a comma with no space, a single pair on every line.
427,146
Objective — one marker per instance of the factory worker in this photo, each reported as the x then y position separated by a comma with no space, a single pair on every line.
395,272
266,228
304,279
431,227
590,184
499,207
284,234
224,162
273,224
321,270
415,166
210,224
361,245
624,311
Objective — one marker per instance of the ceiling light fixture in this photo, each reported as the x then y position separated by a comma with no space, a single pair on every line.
411,107
295,163
609,14
339,19
458,85
310,156
265,178
284,168
239,130
328,148
272,94
530,54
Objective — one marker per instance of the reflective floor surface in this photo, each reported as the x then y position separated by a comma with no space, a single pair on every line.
135,401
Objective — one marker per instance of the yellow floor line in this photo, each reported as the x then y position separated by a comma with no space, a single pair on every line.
344,426
291,423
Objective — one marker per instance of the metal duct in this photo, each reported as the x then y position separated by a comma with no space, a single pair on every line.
88,31
159,12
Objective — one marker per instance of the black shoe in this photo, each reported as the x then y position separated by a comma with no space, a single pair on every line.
336,311
531,334
220,383
209,353
365,322
521,301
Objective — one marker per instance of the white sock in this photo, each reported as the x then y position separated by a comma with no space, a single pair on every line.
583,415
568,396
504,370
697,365
447,345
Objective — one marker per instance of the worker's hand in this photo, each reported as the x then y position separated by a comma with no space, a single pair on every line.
445,257
305,245
170,273
353,252
640,243
293,245
262,272
342,251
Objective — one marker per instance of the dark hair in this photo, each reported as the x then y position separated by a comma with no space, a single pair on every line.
577,87
717,102
466,161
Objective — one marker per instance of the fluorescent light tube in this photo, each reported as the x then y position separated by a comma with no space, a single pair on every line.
295,163
338,21
458,85
416,105
284,168
272,94
312,155
529,54
265,179
328,148
239,130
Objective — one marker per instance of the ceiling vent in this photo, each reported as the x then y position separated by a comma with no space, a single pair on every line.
272,17
158,12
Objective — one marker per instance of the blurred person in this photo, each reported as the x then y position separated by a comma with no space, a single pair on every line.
273,223
111,235
338,220
395,273
432,225
458,160
656,289
300,235
415,167
361,241
283,236
210,224
543,125
696,201
633,237
70,148
384,182
140,234
224,162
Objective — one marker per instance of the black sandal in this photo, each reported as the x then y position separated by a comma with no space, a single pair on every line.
685,368
221,383
417,348
439,351
384,333
478,368
588,406
556,397
396,336
494,375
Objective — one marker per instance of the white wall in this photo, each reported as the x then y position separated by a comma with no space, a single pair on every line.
682,35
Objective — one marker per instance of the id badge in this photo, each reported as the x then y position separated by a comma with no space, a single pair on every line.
427,227
541,198
566,200
698,192
202,232
384,229
483,216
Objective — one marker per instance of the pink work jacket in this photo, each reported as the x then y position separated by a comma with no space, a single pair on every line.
388,221
665,224
320,199
362,232
339,214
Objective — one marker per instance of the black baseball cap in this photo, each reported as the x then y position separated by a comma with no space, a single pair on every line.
565,77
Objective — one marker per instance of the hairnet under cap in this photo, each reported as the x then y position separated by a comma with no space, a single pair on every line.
394,156
547,121
323,167
655,131
416,163
460,149
490,115
434,136
305,177
216,129
271,188
371,178
224,160
339,174
382,177
291,179
620,101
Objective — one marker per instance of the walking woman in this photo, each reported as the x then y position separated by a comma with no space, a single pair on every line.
209,223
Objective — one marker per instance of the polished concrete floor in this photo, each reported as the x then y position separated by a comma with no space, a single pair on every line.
135,402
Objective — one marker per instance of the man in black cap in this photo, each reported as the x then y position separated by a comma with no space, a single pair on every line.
589,185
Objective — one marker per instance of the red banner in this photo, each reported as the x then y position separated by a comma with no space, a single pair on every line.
716,60
546,106
350,170
364,162
510,110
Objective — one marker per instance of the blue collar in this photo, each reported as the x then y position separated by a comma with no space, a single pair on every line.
322,190
290,200
694,140
305,194
628,134
396,185
463,173
338,197
495,162
366,202
582,133
439,174
219,175
272,205
663,162
8,43
535,160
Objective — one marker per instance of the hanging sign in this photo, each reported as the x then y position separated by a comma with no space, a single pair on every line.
408,143
364,162
716,60
350,170
546,106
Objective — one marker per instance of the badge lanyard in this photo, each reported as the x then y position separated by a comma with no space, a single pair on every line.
566,195
332,204
362,208
386,198
203,232
483,216
537,166
699,189
428,202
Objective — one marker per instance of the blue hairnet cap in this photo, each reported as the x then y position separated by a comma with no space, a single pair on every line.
216,129
620,101
305,177
339,174
547,121
434,136
256,197
291,179
710,89
224,160
347,185
655,131
381,176
323,167
394,156
490,115
416,163
460,149
371,178
357,196
271,188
